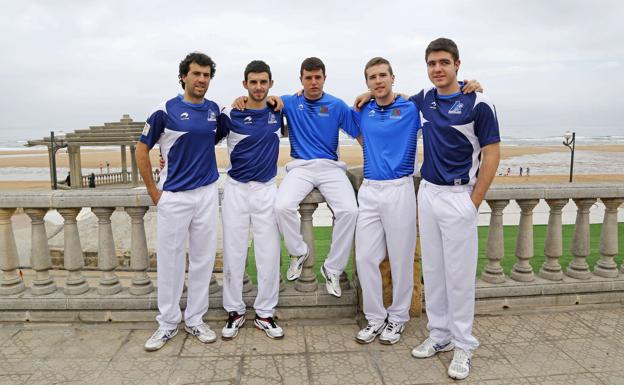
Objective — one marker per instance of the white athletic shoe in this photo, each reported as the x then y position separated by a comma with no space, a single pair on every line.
235,321
269,326
370,332
460,366
332,282
202,332
428,348
392,333
296,266
159,339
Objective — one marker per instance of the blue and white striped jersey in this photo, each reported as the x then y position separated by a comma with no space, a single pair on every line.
313,125
253,143
187,134
389,136
455,128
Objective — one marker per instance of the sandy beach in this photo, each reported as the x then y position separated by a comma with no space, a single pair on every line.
352,155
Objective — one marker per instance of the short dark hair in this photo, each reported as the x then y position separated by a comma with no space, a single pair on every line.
312,64
443,44
257,66
377,61
198,58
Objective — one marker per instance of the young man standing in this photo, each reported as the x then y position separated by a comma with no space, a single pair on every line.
187,199
314,119
387,203
249,199
461,156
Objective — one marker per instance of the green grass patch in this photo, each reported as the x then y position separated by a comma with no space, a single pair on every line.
322,237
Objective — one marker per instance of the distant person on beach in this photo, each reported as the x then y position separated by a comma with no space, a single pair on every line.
249,200
520,171
68,180
527,171
107,167
508,171
186,128
461,155
314,119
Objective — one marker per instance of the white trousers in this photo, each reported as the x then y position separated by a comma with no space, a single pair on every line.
246,204
447,221
386,221
185,215
330,178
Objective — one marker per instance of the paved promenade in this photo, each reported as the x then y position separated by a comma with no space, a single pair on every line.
569,347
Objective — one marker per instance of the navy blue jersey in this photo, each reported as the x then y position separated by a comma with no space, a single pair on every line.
455,128
187,134
313,125
389,136
253,143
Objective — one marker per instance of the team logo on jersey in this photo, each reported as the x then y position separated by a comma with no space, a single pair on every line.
371,113
248,120
146,129
323,111
300,107
272,119
184,116
395,114
212,117
456,108
433,105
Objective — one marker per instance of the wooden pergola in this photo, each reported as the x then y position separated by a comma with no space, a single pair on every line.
124,133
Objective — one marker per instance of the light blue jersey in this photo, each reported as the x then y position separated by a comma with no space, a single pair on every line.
313,125
455,128
253,143
187,134
389,136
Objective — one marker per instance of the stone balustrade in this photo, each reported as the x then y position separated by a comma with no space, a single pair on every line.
109,178
72,293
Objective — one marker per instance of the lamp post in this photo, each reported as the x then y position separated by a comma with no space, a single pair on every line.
54,147
569,142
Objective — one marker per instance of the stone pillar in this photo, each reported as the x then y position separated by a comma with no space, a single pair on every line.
40,253
75,168
124,164
553,246
139,259
135,169
73,256
606,266
52,166
107,258
579,268
493,272
307,282
214,286
522,270
10,282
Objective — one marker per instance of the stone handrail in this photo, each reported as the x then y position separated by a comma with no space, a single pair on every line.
113,178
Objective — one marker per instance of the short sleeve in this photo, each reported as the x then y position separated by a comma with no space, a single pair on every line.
154,127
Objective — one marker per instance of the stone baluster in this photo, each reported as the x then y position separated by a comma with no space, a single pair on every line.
579,268
11,282
493,272
40,253
307,282
139,258
522,270
214,286
553,246
606,266
107,258
73,256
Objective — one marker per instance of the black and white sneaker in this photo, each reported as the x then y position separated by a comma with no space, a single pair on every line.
370,332
392,333
332,282
269,326
296,266
159,339
234,322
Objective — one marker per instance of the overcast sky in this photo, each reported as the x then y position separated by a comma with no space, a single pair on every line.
547,65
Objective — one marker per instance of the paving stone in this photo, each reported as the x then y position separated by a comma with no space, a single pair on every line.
504,329
100,344
14,379
594,354
404,369
257,342
607,323
539,358
208,370
275,369
71,371
611,378
236,347
343,369
487,364
331,338
133,346
137,371
37,343
555,326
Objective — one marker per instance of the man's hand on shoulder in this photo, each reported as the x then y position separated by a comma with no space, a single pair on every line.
239,103
471,86
361,100
276,102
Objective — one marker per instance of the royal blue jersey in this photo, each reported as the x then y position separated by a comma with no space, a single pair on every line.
187,134
313,125
253,143
389,136
455,128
